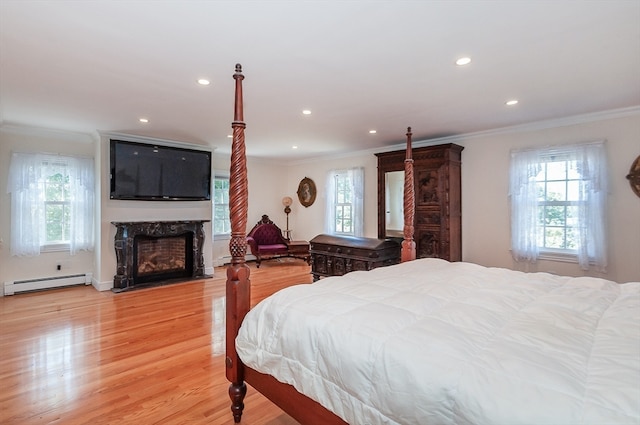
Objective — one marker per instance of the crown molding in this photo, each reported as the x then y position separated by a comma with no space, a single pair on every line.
145,139
521,128
534,126
28,130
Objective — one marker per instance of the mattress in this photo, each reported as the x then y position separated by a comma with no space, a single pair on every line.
433,342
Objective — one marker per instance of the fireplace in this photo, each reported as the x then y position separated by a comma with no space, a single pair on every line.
149,253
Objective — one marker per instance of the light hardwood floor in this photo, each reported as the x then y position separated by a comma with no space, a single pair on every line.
149,356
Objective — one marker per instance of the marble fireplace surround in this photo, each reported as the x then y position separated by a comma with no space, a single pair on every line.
124,244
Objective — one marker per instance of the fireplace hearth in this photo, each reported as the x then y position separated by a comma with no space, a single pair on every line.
159,252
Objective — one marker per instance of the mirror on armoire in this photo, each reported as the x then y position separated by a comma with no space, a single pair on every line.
394,204
391,195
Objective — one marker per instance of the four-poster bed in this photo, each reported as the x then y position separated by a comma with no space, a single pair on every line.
428,341
238,295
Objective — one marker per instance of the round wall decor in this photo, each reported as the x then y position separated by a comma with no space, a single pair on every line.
306,192
634,176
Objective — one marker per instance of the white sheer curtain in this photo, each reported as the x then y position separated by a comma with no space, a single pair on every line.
82,178
357,180
591,164
330,205
27,173
525,166
355,177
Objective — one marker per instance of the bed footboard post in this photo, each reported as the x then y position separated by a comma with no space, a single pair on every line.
237,393
238,289
408,244
238,293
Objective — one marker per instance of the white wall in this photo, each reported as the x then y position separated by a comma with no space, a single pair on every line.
118,211
485,206
309,222
22,139
266,182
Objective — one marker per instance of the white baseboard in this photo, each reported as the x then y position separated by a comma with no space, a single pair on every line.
102,286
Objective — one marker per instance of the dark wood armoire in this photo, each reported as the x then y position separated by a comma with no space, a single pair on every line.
438,213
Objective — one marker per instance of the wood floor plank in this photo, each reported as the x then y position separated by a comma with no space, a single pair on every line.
150,356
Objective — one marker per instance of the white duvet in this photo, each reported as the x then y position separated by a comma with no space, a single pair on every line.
432,342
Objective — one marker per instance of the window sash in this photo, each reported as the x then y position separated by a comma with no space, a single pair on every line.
343,204
55,189
221,214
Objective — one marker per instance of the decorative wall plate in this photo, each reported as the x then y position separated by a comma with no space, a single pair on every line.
634,176
306,192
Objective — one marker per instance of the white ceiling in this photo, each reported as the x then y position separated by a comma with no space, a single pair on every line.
357,65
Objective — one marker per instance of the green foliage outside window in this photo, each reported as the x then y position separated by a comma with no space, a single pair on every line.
57,209
344,210
558,185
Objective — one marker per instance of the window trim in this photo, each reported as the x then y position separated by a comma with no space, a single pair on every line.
55,247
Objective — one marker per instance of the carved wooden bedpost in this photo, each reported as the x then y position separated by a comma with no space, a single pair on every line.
238,285
408,244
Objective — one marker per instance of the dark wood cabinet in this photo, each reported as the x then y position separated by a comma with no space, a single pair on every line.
338,255
438,212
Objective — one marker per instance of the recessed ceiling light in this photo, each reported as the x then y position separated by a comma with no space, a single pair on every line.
306,112
144,120
511,102
294,147
230,136
203,82
372,131
463,61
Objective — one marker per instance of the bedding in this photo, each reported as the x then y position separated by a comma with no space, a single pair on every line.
433,342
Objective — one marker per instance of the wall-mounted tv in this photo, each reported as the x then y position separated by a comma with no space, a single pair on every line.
141,171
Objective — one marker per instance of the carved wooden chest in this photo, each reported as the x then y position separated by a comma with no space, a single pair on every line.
337,255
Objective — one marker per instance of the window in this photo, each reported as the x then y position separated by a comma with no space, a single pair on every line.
52,203
221,221
558,203
57,206
344,202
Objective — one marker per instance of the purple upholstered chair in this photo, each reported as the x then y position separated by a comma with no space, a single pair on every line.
266,241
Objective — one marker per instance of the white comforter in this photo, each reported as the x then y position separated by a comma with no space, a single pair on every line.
432,342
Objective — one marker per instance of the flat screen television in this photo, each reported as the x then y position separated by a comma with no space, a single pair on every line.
149,172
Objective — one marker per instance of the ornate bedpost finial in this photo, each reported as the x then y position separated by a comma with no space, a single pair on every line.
238,75
238,114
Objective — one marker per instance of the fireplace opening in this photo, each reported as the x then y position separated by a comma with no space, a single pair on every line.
159,258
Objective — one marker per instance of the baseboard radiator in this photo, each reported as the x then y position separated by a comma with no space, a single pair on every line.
14,287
